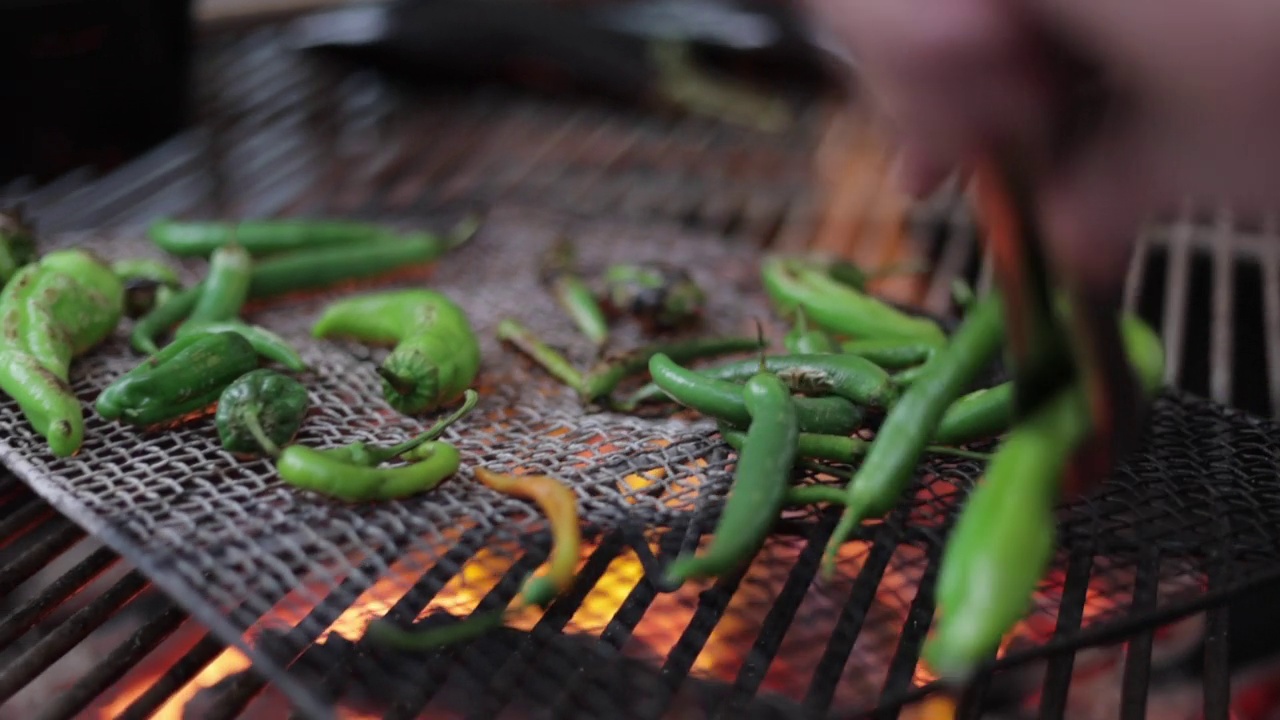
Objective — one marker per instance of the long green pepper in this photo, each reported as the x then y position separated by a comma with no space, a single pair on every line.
1004,538
912,421
725,401
268,237
226,287
761,478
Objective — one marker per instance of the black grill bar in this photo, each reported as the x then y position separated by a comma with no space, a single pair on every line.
62,534
22,516
116,664
505,679
1217,667
624,620
247,685
470,661
849,626
68,634
174,678
187,668
73,581
779,618
1137,665
1053,702
919,618
680,659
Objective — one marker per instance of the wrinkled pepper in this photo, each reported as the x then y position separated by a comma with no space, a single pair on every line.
259,412
267,344
659,295
52,311
17,244
184,378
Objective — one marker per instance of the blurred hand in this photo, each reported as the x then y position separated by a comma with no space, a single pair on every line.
1198,82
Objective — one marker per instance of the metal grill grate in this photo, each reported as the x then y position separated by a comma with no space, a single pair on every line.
233,547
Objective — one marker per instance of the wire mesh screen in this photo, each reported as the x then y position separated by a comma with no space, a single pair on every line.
1190,518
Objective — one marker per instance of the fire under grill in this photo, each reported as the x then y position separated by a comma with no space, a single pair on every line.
152,575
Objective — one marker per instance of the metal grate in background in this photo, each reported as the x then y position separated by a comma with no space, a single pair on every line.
276,146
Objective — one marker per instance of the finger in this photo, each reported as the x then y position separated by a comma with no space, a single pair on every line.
951,76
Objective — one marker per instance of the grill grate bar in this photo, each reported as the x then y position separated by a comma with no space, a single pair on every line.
711,606
849,626
186,669
1176,295
1137,666
505,679
68,634
974,696
1270,259
175,678
471,660
1137,273
413,602
629,614
116,664
1217,667
781,614
68,584
919,618
247,685
1224,254
1057,681
30,513
62,535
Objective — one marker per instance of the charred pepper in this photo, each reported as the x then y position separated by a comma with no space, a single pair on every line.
185,378
259,412
17,244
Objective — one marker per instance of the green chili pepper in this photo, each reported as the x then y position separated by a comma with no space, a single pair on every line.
913,420
660,295
17,244
383,632
978,415
724,400
605,377
226,288
572,293
890,354
436,355
814,494
60,307
803,340
313,470
185,380
1004,537
839,308
266,343
560,505
838,448
147,283
259,412
162,317
848,376
267,237
761,477
145,268
527,342
45,400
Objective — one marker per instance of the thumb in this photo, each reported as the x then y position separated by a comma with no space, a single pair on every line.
1093,208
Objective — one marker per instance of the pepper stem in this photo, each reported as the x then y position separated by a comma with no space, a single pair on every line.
254,426
527,342
764,366
397,383
381,455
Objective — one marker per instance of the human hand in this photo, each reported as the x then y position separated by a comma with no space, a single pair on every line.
1197,84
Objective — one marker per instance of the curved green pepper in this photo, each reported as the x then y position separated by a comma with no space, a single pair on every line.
436,355
186,377
259,412
267,344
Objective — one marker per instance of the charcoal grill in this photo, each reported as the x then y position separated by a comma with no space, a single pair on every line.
271,613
